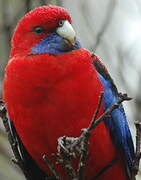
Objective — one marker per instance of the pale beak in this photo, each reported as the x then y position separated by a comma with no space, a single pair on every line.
67,32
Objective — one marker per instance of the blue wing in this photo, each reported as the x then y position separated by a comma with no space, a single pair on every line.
117,123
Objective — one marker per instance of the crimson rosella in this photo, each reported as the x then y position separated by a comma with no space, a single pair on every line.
51,89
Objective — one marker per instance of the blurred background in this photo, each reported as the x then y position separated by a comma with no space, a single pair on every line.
110,28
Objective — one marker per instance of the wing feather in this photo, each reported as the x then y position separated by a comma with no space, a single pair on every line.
117,123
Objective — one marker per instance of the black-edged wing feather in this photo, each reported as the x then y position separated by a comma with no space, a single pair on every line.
117,124
101,69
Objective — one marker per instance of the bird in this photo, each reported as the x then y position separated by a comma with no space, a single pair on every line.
51,88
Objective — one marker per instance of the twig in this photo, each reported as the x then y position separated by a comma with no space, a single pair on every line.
12,141
122,97
98,106
137,159
85,136
51,167
65,155
69,147
94,123
83,158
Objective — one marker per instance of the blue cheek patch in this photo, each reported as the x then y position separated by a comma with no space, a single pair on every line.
53,43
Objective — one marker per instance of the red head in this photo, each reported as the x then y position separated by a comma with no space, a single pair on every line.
36,25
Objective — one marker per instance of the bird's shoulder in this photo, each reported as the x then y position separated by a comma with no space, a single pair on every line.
103,71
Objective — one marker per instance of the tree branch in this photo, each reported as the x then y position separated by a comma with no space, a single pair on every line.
51,167
137,159
12,141
70,148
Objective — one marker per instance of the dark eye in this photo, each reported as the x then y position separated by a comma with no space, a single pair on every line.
61,22
38,29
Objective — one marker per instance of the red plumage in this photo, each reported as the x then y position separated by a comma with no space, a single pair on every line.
49,95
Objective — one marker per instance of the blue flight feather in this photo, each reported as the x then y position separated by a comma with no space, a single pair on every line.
117,123
53,43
